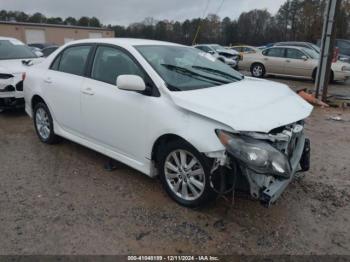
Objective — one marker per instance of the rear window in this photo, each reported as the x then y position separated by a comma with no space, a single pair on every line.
14,49
73,60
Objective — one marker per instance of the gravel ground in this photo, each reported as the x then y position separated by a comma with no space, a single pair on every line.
60,200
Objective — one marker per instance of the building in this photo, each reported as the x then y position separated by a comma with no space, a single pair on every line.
50,33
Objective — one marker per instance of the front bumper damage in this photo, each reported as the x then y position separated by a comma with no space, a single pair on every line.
11,91
268,187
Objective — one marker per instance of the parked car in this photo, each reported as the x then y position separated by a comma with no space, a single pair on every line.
44,48
291,61
344,49
229,57
36,51
342,57
244,49
13,55
299,44
168,110
49,50
40,46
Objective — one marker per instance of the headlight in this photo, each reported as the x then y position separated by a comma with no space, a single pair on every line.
345,68
257,155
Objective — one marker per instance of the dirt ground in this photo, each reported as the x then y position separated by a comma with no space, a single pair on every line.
60,200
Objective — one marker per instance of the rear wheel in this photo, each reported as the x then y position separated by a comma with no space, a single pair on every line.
185,174
314,73
43,124
257,70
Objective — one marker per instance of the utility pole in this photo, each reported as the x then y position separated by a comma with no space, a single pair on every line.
327,47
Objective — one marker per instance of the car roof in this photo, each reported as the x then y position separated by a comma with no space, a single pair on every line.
293,42
8,38
123,41
287,46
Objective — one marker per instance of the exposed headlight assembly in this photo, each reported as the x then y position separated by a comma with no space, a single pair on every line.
256,155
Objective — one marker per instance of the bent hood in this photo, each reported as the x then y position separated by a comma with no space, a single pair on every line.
248,105
13,66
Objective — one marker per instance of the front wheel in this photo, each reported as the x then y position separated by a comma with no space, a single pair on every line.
43,124
185,174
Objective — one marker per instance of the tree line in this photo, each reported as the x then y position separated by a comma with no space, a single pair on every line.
296,20
42,19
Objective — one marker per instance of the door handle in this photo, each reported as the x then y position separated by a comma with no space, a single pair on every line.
88,91
288,61
48,80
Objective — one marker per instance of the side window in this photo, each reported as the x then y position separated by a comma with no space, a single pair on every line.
110,63
74,59
294,54
274,52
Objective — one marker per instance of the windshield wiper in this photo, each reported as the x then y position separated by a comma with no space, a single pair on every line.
193,74
217,72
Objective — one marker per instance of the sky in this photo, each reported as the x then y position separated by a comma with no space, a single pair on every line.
124,12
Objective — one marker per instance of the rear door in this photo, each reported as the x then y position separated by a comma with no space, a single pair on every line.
274,60
296,64
62,85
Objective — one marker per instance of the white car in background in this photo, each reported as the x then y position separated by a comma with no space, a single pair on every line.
13,56
168,110
227,56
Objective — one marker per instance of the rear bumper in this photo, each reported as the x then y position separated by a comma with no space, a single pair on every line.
341,75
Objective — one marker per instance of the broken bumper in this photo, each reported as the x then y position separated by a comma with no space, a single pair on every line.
11,94
268,167
276,188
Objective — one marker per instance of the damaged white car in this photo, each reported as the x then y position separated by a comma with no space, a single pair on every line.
14,55
165,109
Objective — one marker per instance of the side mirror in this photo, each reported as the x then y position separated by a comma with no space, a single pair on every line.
39,53
304,57
131,83
211,52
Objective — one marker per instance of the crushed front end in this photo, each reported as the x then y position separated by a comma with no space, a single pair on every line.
267,162
11,90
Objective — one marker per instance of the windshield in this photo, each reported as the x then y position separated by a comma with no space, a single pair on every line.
217,47
186,68
312,53
14,49
316,48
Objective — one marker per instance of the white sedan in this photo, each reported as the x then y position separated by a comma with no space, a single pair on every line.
13,56
170,110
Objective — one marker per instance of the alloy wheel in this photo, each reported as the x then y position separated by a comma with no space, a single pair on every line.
184,175
257,70
42,123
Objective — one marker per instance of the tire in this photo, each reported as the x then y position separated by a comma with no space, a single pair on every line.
178,180
257,70
43,124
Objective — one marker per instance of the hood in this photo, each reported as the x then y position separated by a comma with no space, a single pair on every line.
227,51
13,66
248,105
